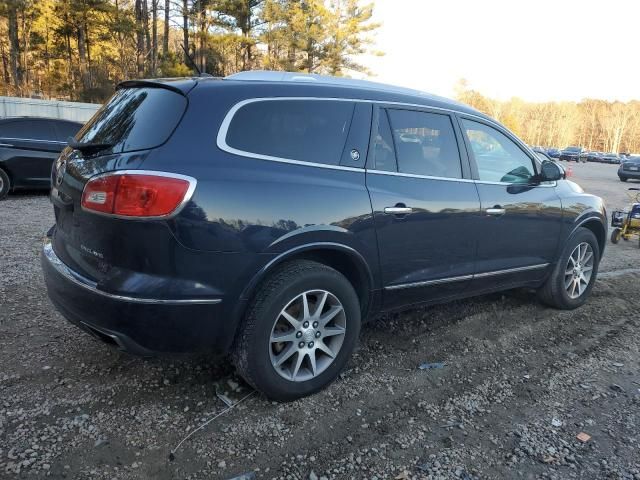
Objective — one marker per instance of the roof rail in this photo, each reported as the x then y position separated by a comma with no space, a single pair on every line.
275,76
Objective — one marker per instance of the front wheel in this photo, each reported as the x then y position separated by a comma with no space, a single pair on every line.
573,277
299,331
623,179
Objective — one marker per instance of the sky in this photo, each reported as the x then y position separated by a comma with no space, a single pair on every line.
537,50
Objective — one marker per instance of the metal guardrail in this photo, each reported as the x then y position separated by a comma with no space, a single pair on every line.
31,107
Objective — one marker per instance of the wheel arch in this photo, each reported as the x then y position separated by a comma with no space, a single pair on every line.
342,258
596,225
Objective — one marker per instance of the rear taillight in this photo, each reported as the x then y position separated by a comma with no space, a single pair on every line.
137,194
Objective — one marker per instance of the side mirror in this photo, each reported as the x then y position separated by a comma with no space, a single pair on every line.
551,171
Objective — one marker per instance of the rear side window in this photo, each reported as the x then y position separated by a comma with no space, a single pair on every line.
135,119
28,129
425,144
306,130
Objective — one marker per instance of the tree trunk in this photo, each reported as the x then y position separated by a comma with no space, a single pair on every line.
139,38
82,55
5,69
154,36
185,30
165,39
14,47
147,33
201,44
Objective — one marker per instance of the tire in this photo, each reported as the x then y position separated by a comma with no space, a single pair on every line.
616,235
555,291
255,354
5,184
623,179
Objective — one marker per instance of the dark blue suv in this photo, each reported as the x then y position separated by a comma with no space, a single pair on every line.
268,215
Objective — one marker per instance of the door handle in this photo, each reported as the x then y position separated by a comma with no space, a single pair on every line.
496,211
398,210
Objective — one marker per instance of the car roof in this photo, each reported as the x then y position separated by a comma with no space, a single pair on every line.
272,83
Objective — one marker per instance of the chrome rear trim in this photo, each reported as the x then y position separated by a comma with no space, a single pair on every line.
92,286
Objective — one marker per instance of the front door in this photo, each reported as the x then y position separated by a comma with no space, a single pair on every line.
423,200
521,221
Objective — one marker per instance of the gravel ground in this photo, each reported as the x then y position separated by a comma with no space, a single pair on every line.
520,381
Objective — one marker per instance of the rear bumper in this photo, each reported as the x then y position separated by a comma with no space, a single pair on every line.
142,326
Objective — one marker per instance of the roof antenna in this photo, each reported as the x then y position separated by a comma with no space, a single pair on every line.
191,60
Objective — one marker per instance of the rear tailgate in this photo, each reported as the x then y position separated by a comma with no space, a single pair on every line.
140,117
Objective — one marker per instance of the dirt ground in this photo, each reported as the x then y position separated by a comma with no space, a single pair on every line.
520,381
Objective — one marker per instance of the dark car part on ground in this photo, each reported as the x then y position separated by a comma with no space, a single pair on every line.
274,243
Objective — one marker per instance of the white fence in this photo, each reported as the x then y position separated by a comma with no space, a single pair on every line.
30,107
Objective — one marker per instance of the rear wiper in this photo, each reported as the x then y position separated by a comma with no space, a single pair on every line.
87,147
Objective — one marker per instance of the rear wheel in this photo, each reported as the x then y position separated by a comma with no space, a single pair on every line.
616,235
574,275
5,184
623,179
299,331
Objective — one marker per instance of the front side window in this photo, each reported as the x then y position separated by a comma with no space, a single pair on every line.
425,144
305,130
498,157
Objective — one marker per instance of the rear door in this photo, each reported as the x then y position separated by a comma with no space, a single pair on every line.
521,222
423,201
33,145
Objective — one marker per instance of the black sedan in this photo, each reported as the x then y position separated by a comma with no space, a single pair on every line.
629,169
611,158
572,154
28,147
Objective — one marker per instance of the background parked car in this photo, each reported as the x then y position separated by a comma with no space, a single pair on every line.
553,152
593,156
572,154
28,147
629,168
611,158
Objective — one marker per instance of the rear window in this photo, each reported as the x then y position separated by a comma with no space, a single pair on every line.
135,119
307,130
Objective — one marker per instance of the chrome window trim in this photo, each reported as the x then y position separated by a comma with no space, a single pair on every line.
449,179
187,197
415,175
85,283
439,281
221,138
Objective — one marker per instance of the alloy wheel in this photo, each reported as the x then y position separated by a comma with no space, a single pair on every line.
307,335
579,270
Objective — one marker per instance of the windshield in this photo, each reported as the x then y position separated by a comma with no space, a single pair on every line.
135,119
573,149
